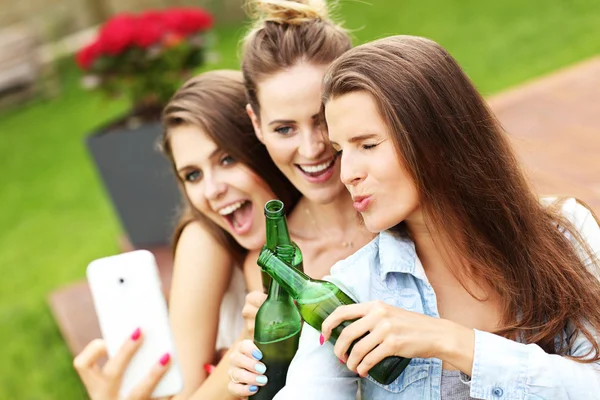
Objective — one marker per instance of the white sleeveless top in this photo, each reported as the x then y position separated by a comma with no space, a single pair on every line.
231,322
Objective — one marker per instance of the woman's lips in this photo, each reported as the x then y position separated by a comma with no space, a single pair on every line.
320,177
361,203
240,221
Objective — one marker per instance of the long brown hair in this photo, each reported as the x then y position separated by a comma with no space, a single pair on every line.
214,101
472,189
284,33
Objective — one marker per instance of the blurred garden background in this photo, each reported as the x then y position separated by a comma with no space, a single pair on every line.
55,216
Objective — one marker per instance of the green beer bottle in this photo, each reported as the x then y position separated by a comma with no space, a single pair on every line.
277,235
278,322
316,300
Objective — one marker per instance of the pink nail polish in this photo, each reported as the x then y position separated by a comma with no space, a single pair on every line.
209,368
136,334
165,359
341,361
321,340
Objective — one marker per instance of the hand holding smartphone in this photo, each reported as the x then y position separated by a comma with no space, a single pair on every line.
127,295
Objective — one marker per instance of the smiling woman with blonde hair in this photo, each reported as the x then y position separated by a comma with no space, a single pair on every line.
284,57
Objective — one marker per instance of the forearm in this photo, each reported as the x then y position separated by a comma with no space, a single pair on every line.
456,346
499,365
529,372
215,386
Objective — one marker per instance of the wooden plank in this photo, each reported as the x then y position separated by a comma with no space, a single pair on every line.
554,123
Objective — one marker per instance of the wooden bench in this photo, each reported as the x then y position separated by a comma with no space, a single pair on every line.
20,65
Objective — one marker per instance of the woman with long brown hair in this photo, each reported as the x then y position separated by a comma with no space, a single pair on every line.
226,176
489,291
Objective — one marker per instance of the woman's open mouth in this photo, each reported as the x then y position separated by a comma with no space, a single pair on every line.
318,173
239,216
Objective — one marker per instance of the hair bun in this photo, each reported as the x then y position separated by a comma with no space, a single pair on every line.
292,12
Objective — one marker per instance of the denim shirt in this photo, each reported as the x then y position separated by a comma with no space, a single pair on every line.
389,270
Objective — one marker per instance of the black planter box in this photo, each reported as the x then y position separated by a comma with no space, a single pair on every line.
139,181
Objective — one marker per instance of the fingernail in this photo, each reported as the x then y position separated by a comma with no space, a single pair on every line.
261,379
257,354
136,334
321,340
165,359
342,361
260,368
209,368
253,388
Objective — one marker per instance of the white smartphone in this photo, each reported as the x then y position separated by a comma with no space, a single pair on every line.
126,291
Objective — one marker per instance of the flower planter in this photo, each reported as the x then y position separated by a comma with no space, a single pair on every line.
139,181
143,57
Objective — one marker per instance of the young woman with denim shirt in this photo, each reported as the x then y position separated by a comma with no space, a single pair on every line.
490,292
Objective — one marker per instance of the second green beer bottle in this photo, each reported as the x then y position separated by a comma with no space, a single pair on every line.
316,300
278,322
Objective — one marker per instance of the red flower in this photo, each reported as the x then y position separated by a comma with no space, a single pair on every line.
150,29
186,21
134,55
174,19
117,34
199,20
86,56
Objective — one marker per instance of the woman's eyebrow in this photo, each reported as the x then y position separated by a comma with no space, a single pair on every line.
281,121
360,138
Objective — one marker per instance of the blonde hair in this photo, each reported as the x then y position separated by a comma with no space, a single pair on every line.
284,33
286,11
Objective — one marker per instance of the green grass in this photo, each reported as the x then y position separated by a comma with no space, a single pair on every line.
56,217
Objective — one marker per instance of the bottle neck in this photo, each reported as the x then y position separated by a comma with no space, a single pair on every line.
276,292
277,232
290,279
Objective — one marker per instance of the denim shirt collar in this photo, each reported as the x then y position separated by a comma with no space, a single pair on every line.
398,254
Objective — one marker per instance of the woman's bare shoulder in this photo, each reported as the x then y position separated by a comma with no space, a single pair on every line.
195,237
